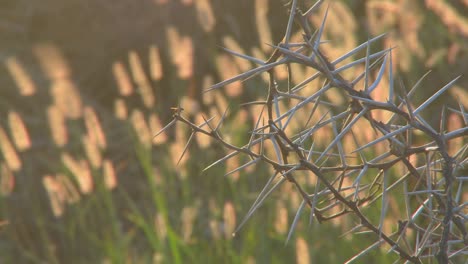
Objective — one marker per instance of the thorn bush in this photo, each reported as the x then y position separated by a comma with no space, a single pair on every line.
354,177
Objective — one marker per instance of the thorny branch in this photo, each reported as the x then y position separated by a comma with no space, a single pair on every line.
440,229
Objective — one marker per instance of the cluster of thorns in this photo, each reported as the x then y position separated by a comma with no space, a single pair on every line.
438,220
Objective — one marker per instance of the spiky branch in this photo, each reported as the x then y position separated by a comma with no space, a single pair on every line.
439,220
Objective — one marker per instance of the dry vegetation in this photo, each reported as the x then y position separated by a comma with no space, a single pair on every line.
86,85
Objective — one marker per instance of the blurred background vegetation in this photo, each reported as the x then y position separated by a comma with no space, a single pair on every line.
85,84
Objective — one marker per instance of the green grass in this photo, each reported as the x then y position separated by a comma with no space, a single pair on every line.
118,226
141,220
